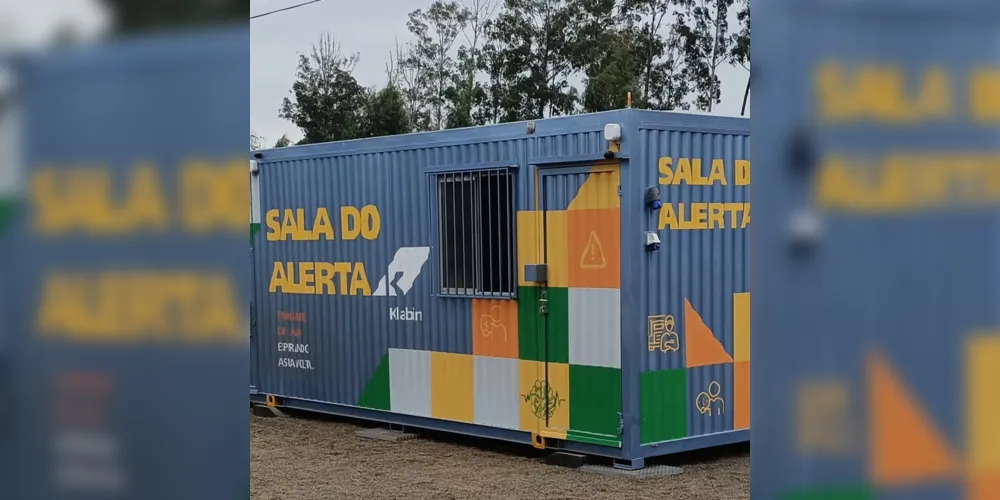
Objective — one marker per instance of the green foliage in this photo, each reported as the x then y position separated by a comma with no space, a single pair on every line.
496,61
256,142
529,61
283,142
325,96
328,103
703,27
384,113
132,16
740,51
435,32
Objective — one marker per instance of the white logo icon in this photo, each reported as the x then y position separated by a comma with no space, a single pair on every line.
403,271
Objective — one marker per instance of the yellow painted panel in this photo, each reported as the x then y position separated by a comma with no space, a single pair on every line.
982,385
530,374
741,325
539,399
528,242
452,389
556,248
600,190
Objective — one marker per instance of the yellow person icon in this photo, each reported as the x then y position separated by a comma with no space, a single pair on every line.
662,335
710,400
492,323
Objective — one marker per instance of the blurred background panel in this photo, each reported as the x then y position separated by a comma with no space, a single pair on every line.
124,348
875,250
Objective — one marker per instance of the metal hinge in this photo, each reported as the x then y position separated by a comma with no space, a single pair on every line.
621,424
619,190
543,302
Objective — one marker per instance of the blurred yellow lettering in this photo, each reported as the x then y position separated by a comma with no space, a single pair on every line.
214,197
900,183
984,95
140,306
881,94
81,200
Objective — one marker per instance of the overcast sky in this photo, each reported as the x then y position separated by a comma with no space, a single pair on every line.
368,27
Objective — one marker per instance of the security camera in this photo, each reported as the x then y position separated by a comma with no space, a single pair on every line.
652,241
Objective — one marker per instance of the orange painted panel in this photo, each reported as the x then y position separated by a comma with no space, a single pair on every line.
741,395
594,259
905,446
983,487
494,328
702,348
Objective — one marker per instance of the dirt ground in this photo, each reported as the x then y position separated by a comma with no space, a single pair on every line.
307,458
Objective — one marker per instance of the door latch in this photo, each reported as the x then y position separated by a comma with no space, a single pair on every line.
543,302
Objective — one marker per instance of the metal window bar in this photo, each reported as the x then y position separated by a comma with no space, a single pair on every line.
472,238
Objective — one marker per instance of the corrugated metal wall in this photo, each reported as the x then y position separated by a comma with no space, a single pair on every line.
503,363
693,293
407,351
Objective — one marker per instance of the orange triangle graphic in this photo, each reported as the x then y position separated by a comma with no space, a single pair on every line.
702,347
905,448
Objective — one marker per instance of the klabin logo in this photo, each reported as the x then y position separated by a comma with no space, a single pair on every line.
403,271
399,278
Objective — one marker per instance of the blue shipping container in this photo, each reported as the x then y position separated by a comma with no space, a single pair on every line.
578,283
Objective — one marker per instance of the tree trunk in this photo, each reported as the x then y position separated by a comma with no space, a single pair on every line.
746,97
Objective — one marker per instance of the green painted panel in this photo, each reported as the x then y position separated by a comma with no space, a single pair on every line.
849,493
254,229
529,342
376,395
595,402
664,405
584,437
8,209
558,323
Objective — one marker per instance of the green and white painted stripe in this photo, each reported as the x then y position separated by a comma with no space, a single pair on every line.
10,169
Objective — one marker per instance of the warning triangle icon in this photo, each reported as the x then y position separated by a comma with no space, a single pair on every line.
593,254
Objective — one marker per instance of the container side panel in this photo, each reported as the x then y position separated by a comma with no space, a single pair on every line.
410,382
350,310
879,348
694,290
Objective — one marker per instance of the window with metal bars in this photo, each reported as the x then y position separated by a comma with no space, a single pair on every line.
476,246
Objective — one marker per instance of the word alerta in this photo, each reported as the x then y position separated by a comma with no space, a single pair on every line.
703,215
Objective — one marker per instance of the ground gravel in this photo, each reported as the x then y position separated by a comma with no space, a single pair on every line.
314,458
